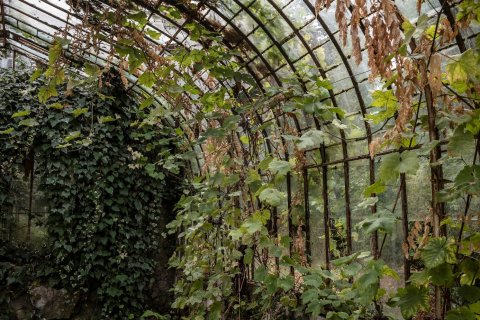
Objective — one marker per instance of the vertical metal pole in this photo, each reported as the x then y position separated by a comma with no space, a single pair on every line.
291,229
275,235
406,259
436,173
375,251
30,198
2,17
326,209
308,244
348,212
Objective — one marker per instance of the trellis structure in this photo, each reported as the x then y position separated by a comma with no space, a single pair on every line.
276,40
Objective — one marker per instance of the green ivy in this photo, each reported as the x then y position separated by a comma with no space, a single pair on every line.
110,185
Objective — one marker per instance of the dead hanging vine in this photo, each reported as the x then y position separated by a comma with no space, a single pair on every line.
387,38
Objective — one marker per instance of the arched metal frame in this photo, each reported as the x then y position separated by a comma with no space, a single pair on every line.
277,40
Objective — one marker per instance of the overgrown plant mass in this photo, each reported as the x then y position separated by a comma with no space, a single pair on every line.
108,203
273,197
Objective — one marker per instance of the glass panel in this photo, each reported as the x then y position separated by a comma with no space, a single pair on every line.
359,180
279,29
274,57
316,216
228,7
314,34
307,66
260,40
298,13
294,48
285,73
244,22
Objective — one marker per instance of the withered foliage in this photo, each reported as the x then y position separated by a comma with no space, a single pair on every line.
387,54
418,237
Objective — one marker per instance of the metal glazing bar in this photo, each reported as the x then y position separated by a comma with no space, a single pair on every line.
270,36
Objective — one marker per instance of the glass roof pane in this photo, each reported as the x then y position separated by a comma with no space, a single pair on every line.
274,57
282,3
228,7
244,22
295,48
263,11
31,15
298,13
284,73
260,40
328,16
214,19
348,101
307,65
409,8
329,54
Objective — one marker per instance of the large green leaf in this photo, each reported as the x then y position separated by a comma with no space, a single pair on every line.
469,293
147,79
395,163
461,142
345,260
473,123
314,280
248,256
408,162
385,100
367,203
461,69
470,244
272,197
255,222
412,300
140,17
310,295
44,93
441,275
55,51
420,278
286,283
462,313
146,103
92,70
366,286
468,179
382,221
376,188
280,167
310,139
252,226
470,271
438,251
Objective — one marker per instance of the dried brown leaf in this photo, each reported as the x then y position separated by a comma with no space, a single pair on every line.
405,250
318,6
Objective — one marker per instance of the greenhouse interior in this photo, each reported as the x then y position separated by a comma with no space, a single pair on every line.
239,159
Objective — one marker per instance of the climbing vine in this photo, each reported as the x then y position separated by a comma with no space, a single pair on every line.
110,187
244,247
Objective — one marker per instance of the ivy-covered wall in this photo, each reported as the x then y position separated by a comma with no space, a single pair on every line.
108,194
